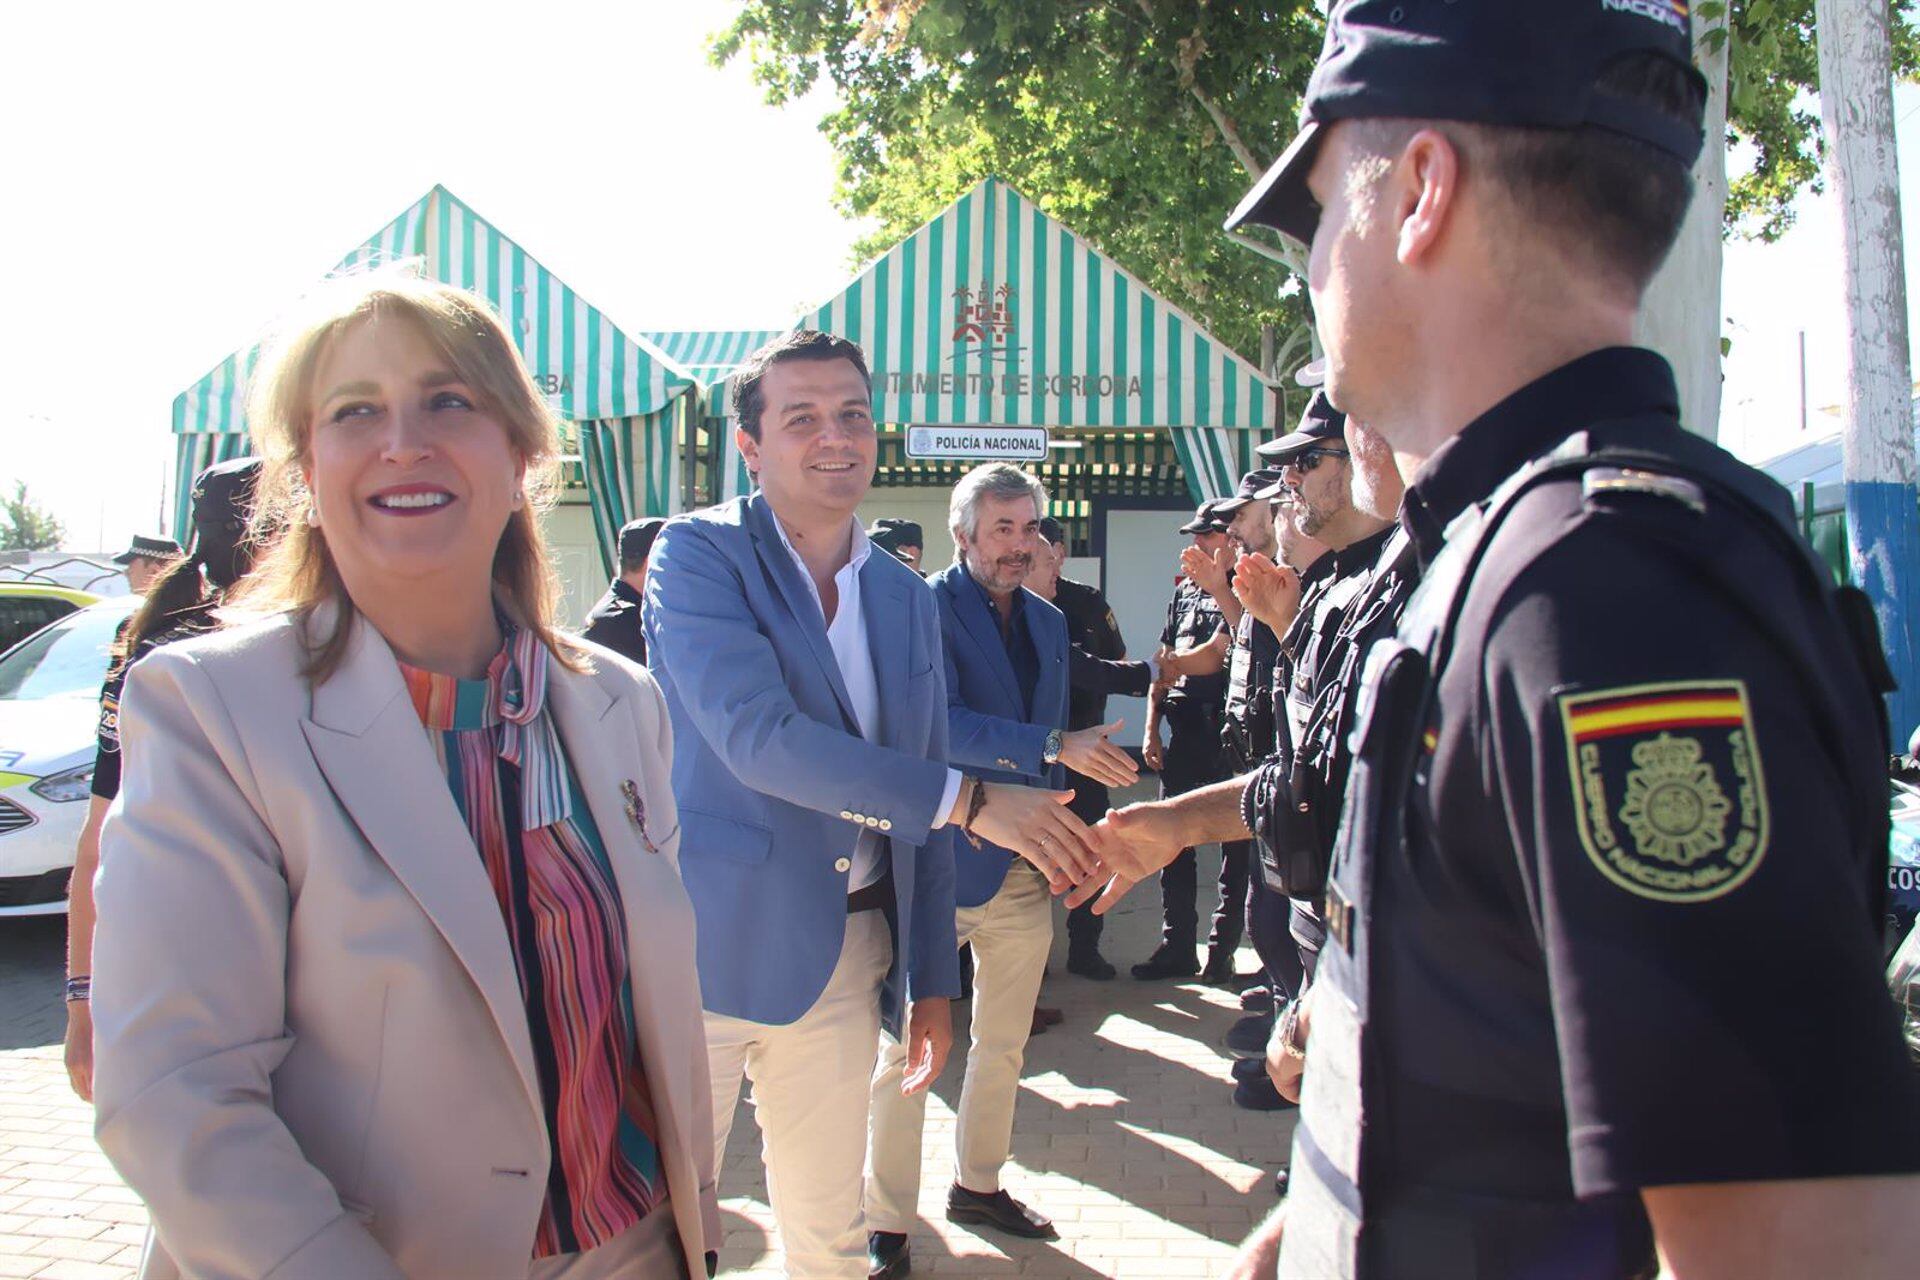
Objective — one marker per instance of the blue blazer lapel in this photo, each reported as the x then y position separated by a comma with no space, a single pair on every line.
794,589
883,605
976,615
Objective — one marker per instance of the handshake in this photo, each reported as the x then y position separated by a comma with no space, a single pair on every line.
1201,660
1103,860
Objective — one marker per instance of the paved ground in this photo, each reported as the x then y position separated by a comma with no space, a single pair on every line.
1123,1133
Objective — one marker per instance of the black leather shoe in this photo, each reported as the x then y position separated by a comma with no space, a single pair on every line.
1257,999
1249,1069
1248,1037
887,1257
1089,963
1259,1095
1219,970
1167,962
999,1211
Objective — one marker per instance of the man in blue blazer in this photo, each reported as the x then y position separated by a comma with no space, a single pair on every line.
1007,675
806,682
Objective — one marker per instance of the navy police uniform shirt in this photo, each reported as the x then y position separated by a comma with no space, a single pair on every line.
1193,619
615,622
1630,943
106,753
1248,728
1090,625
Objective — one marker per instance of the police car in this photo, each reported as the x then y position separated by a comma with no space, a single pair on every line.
49,715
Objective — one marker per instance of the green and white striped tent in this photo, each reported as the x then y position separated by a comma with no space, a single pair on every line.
626,402
994,313
711,354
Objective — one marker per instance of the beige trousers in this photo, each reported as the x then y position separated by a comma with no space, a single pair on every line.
810,1097
1011,935
648,1250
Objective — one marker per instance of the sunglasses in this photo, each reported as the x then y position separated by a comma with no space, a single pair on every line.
1307,459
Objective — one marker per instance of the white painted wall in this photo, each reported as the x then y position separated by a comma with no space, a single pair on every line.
1142,563
576,558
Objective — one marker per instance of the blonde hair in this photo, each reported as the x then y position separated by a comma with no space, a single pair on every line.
296,572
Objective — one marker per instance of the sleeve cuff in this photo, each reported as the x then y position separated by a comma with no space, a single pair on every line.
948,795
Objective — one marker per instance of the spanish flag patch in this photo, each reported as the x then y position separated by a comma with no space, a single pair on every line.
1668,794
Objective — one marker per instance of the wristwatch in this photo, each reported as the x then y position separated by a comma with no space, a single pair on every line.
1050,753
1287,1034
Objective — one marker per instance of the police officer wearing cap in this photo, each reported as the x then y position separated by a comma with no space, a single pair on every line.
1191,707
1628,739
902,539
146,559
1246,725
1322,477
615,620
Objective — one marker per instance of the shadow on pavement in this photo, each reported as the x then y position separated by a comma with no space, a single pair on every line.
33,964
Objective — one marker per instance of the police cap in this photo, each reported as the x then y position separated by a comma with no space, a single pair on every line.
891,533
145,548
1252,485
636,537
1206,519
1499,62
1319,424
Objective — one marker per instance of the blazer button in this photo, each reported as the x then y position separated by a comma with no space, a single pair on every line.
843,864
886,824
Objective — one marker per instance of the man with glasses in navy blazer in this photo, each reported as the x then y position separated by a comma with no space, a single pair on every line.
1007,676
806,681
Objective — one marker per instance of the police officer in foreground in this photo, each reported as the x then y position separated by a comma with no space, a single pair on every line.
615,620
1628,738
1602,972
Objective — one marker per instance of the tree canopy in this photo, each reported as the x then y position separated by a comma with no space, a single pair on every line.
25,525
1140,123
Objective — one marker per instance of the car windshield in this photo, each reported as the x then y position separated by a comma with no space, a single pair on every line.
65,660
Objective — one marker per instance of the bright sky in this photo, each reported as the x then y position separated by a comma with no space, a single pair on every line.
179,173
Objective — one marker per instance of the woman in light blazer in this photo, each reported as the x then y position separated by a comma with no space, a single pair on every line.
394,974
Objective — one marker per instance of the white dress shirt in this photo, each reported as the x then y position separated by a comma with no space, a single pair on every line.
847,636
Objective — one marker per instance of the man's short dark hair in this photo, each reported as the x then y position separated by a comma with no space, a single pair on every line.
632,566
1614,200
802,344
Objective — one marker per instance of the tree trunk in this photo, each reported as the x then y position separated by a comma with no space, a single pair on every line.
1680,317
1883,522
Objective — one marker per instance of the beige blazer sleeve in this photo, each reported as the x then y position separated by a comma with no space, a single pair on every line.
189,1003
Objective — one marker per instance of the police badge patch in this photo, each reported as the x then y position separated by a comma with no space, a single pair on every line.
1668,793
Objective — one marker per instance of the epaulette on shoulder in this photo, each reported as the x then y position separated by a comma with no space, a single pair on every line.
1600,484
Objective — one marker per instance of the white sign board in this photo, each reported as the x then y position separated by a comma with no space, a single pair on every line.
1011,444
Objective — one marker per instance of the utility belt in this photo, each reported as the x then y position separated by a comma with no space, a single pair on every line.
1190,716
1295,841
1250,737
